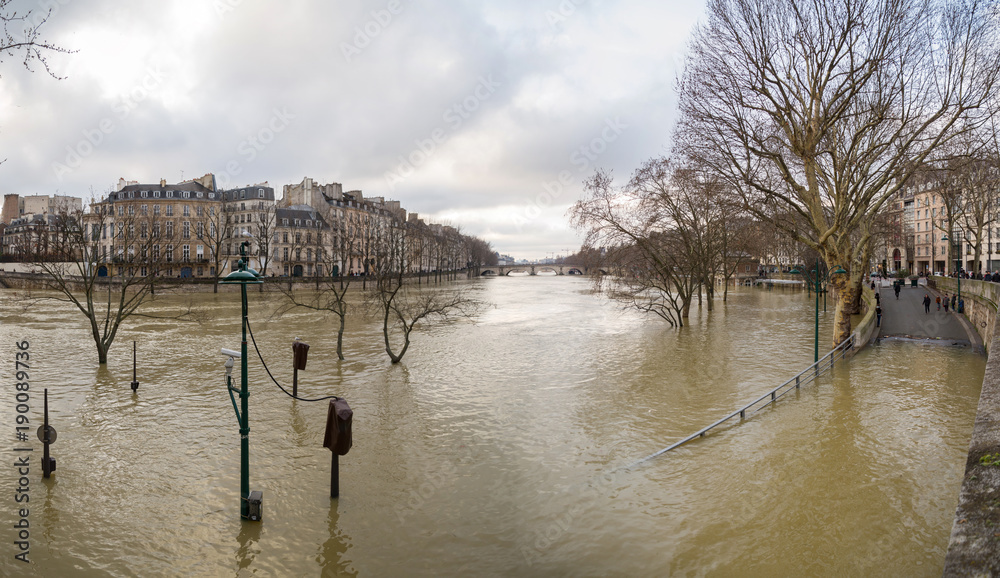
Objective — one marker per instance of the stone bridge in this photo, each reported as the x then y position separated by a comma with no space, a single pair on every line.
535,269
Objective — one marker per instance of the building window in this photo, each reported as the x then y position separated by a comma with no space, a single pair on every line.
156,194
156,210
143,210
156,252
170,228
142,231
200,251
243,194
170,211
200,211
169,255
200,230
143,194
285,254
186,231
186,252
260,193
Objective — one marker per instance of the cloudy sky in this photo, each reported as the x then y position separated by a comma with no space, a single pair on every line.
486,115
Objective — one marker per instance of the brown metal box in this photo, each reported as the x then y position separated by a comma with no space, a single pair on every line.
338,427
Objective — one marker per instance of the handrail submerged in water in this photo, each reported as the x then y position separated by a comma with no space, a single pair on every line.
805,376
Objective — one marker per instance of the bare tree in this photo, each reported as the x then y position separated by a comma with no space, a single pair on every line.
108,287
825,108
216,231
22,35
400,305
651,259
265,228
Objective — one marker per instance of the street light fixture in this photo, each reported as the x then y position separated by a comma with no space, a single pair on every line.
959,272
825,278
243,277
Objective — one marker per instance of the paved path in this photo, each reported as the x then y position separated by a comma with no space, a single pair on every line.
905,317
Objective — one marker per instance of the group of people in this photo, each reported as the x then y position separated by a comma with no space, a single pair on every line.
939,301
979,276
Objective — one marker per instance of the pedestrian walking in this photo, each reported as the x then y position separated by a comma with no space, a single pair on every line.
878,298
878,316
953,302
945,303
927,303
895,289
938,300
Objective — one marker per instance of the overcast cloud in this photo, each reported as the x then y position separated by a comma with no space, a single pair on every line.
485,115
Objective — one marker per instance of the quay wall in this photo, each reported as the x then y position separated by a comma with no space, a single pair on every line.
974,546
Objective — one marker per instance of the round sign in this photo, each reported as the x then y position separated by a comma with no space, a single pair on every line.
52,434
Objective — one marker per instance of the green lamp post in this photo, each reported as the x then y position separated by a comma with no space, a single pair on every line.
816,276
249,502
959,272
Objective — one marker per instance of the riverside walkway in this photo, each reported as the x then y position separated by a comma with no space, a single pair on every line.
905,318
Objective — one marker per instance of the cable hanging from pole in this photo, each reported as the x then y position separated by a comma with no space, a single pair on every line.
275,380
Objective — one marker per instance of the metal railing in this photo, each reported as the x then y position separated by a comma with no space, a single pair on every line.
809,374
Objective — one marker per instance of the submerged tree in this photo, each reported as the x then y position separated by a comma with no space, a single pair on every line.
331,293
825,108
108,272
400,304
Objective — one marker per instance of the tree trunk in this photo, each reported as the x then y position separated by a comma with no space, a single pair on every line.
340,339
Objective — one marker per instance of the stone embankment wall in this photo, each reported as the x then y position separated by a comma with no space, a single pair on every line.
981,298
974,547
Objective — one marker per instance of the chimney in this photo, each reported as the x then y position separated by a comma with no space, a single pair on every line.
163,182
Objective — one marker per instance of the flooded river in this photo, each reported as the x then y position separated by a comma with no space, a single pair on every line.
494,448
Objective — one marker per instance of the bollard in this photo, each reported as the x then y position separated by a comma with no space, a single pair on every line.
300,352
47,435
135,383
338,438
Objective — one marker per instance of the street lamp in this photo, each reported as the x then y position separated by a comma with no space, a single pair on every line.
244,277
959,272
815,272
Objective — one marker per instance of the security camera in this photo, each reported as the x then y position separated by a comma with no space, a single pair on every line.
231,353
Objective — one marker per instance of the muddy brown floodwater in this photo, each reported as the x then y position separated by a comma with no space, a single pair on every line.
492,449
